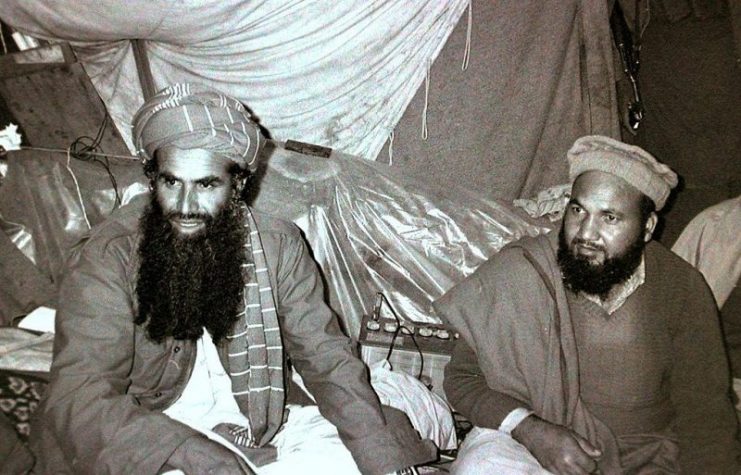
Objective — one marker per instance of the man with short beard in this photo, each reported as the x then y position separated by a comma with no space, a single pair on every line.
593,349
179,316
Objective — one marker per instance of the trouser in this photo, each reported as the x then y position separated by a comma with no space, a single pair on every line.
487,451
309,444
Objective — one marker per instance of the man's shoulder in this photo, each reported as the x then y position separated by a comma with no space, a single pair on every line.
718,213
663,264
664,258
270,224
539,248
507,270
542,243
120,228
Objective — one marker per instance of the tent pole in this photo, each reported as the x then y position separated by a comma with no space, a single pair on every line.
142,67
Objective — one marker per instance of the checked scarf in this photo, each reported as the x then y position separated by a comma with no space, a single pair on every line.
255,348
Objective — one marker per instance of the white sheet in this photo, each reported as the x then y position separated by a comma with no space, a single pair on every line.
25,351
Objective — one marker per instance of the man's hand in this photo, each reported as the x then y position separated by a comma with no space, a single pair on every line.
557,448
199,455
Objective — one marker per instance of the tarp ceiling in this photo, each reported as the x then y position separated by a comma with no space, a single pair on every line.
338,74
344,74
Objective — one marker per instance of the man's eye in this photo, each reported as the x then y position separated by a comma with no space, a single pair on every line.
208,185
575,209
611,218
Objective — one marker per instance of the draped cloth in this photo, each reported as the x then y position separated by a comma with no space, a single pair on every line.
710,242
255,349
338,74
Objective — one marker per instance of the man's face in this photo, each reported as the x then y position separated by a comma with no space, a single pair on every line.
603,234
192,248
603,218
192,187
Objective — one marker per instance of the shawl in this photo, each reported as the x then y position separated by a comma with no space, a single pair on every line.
519,324
255,350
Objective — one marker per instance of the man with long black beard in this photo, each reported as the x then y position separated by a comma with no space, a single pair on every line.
188,283
177,318
594,349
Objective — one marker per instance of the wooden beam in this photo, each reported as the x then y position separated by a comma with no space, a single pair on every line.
56,103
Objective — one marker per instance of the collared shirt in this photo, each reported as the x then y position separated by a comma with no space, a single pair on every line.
207,399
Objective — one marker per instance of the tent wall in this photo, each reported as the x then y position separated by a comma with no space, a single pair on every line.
540,75
692,91
51,96
690,77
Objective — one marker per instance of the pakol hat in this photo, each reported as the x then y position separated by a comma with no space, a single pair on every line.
633,164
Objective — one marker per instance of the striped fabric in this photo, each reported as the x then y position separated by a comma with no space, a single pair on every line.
255,348
194,116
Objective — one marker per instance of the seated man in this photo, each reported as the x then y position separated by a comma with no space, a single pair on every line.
592,348
711,242
178,315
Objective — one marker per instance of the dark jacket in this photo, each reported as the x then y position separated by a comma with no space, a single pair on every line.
109,381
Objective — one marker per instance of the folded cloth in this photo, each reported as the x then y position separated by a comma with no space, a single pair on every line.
21,350
428,412
240,437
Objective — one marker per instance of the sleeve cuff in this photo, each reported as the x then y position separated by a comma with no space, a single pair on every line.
513,419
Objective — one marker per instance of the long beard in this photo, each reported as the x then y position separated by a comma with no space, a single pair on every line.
580,275
186,284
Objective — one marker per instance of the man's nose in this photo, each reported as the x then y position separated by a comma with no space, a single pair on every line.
187,201
588,229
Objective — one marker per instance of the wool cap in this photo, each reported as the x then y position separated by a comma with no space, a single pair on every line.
195,116
633,164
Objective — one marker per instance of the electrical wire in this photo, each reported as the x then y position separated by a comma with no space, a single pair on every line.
400,328
88,149
79,192
64,151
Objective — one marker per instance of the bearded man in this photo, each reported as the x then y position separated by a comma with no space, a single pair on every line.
593,349
179,316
